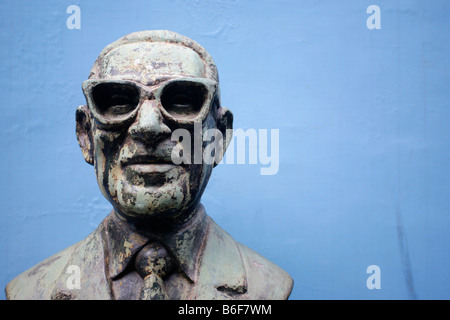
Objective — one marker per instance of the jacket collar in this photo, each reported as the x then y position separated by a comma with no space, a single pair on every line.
122,242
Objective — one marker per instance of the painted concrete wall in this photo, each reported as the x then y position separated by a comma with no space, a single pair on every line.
363,134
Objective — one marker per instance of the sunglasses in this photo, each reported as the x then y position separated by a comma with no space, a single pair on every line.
183,100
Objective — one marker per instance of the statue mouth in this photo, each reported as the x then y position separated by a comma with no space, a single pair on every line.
146,160
148,170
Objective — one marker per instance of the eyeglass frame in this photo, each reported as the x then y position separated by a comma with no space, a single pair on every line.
146,93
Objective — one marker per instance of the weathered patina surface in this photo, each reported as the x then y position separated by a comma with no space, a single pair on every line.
140,90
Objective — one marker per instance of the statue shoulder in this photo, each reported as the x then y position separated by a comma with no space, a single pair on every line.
266,280
38,282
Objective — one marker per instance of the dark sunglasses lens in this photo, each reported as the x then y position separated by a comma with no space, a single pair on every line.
115,99
184,99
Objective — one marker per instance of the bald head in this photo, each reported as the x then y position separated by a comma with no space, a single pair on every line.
147,55
150,63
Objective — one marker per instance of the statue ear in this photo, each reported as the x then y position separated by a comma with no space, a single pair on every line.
84,133
224,120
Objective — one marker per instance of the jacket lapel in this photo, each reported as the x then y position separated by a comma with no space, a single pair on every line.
222,273
87,262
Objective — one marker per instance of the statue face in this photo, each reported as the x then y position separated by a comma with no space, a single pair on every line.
145,91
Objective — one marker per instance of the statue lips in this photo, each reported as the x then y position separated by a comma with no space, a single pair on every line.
149,169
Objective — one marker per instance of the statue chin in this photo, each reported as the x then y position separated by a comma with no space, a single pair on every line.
165,201
169,194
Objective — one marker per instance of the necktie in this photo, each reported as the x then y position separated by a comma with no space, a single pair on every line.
153,263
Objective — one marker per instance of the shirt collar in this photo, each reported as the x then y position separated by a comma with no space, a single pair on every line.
122,243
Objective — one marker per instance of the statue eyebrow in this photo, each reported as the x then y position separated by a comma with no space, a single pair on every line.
150,81
162,78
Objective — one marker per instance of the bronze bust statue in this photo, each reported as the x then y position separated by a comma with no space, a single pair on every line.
157,242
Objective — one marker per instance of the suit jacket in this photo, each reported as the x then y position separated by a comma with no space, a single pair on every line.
227,270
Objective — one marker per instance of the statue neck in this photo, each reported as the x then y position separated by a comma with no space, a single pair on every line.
160,224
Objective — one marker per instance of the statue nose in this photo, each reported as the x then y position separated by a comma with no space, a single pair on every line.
149,123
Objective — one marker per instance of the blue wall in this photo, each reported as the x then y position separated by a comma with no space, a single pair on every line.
363,116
